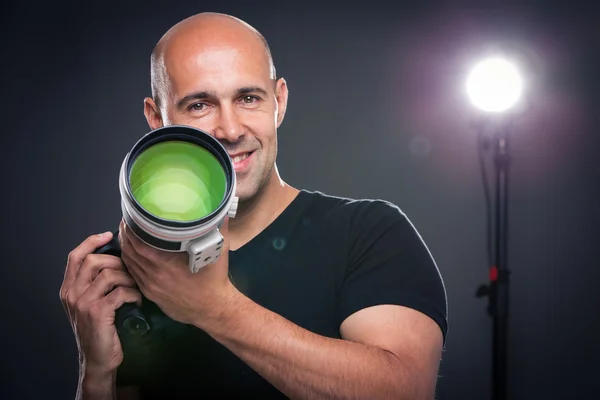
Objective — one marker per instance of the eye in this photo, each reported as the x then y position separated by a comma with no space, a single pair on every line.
197,107
249,99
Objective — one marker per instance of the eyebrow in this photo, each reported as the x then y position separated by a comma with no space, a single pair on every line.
251,89
210,94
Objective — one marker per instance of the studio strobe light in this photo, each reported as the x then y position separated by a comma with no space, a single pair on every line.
494,85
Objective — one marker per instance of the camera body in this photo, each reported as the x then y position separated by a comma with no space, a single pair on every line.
137,326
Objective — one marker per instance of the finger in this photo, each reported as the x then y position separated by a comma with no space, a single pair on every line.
93,265
128,251
90,268
120,296
134,270
132,242
107,306
104,283
122,234
76,257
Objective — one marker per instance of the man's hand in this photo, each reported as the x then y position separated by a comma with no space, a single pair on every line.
164,278
94,286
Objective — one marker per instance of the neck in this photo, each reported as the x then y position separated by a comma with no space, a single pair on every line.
255,214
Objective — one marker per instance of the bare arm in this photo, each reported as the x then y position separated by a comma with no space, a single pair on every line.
96,386
105,390
388,352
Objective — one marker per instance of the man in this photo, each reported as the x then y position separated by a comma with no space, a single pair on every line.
313,297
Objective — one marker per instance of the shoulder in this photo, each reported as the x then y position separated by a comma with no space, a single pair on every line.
359,213
354,207
388,261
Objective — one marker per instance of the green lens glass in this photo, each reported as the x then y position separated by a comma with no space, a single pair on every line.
178,181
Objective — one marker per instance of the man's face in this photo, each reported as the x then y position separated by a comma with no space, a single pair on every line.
228,92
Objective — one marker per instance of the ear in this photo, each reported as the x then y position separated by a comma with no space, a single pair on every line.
152,114
281,96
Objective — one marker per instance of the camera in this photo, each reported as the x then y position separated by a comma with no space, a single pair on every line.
177,185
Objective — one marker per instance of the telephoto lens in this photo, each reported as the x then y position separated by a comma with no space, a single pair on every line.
177,185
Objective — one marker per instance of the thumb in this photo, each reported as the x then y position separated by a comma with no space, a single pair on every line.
92,243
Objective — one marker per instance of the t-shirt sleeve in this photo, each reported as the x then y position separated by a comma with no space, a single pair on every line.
389,263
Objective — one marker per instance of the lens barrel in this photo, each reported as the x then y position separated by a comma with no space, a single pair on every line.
177,185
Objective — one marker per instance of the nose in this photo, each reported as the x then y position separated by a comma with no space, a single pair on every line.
229,127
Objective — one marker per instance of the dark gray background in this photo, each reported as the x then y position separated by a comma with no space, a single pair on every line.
377,109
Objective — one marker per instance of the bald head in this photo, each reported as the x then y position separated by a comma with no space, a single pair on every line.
200,33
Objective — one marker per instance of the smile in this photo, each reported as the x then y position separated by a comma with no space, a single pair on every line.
241,162
240,157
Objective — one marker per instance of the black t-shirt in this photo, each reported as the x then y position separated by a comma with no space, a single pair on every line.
320,261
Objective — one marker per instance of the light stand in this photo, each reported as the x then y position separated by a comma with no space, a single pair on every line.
498,287
499,293
494,86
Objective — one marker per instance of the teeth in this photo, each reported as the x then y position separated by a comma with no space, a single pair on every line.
242,157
